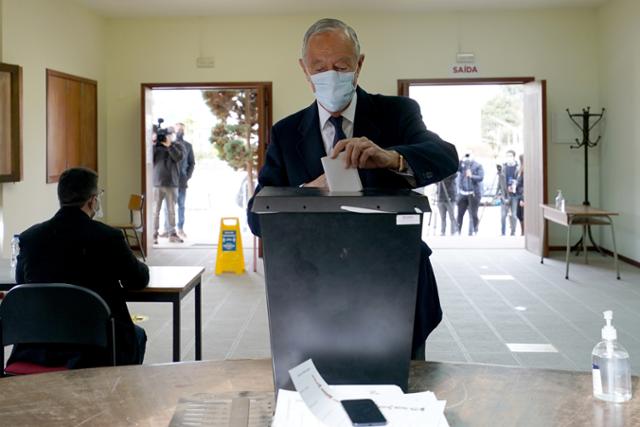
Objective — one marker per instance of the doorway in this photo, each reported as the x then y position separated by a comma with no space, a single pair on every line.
497,126
227,125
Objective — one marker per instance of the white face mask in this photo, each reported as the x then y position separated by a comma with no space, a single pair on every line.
97,213
334,90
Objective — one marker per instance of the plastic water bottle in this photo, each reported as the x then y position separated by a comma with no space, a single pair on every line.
610,366
15,250
560,201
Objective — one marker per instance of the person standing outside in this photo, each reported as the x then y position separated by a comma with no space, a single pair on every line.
507,191
446,197
520,195
186,167
384,137
470,177
166,179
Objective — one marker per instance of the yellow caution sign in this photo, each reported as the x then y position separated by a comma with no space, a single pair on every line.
230,258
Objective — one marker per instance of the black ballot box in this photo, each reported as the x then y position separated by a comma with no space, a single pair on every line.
341,274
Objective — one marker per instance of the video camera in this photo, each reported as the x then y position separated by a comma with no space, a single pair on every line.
161,134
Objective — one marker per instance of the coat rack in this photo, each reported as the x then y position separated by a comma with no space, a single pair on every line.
586,142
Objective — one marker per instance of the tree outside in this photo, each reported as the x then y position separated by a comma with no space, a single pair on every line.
501,120
235,135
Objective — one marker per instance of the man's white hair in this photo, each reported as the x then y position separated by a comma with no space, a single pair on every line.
330,24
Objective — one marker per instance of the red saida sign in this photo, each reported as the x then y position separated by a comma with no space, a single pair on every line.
464,69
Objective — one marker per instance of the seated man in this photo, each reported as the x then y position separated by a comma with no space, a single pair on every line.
72,248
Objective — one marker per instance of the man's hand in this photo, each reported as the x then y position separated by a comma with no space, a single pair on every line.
166,143
364,154
319,182
468,173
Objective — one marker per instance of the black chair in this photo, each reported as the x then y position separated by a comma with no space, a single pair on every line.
54,313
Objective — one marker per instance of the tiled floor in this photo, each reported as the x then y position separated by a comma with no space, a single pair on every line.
538,306
490,298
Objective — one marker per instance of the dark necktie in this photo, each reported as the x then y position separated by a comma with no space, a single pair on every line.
337,125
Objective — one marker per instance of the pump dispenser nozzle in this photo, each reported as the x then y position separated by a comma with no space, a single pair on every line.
609,332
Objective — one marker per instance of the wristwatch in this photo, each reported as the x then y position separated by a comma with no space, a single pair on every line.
401,163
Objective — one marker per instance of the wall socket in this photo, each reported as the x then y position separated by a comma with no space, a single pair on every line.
205,62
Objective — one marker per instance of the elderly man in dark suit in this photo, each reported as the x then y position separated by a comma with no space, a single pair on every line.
73,248
383,136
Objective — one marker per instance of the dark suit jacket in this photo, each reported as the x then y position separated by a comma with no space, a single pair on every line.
473,182
72,248
166,164
187,164
391,122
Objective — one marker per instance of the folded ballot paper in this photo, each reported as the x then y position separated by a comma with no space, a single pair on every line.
339,178
317,404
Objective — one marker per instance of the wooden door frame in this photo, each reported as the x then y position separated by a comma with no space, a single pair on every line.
15,172
265,122
403,90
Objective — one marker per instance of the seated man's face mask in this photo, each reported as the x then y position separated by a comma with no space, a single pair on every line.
97,210
334,90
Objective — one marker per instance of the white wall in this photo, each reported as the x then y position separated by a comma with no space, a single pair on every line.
557,45
620,92
41,34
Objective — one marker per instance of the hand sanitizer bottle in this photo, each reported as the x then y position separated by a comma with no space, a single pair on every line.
611,367
560,201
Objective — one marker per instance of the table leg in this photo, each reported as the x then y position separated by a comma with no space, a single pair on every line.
198,322
176,329
584,244
615,250
566,258
542,239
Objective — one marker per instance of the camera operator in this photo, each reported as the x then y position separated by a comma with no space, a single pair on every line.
470,177
166,178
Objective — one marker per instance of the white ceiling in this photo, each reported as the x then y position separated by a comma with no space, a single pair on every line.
142,8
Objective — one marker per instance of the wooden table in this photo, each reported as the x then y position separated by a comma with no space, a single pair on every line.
166,284
147,395
585,216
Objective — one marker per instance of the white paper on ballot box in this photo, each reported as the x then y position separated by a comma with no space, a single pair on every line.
316,404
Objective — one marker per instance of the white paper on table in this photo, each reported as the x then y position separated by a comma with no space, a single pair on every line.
344,392
400,410
292,411
316,403
318,396
339,178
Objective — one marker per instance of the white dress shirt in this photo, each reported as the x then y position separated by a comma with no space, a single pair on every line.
327,129
348,117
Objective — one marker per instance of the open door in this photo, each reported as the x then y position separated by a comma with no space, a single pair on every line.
535,182
150,95
147,159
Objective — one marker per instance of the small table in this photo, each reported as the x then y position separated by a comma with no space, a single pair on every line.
585,216
476,395
172,284
166,284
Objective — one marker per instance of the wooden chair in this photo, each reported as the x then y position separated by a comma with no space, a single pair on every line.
136,223
54,313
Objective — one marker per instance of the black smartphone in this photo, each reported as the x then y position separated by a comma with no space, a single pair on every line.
364,412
